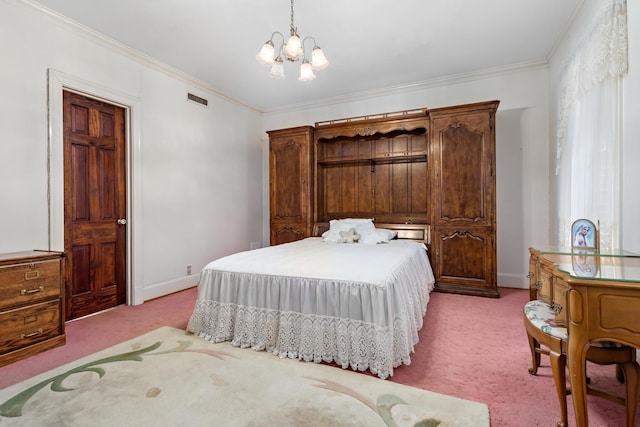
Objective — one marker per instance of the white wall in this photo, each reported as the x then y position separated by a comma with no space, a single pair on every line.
522,148
196,190
630,193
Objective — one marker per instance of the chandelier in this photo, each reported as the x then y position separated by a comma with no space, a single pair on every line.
293,51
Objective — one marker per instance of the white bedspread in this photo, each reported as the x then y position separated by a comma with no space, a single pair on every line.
360,306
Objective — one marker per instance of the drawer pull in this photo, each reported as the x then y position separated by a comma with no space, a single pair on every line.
32,334
530,275
32,275
32,291
557,308
539,284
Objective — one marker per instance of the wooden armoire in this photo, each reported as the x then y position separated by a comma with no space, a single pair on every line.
291,184
463,198
433,167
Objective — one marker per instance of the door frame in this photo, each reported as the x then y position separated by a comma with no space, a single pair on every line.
57,82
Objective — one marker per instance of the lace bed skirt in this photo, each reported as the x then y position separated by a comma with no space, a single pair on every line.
349,343
360,325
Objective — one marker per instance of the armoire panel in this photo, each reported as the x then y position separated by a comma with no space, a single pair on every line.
382,185
349,188
400,188
365,189
419,188
461,178
287,191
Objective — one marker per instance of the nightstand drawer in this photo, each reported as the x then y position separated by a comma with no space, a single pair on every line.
28,325
29,282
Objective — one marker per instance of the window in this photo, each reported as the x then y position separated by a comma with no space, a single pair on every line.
589,128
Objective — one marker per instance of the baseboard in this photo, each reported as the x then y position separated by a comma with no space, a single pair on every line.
164,288
513,281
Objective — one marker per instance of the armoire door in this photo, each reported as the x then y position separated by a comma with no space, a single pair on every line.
465,181
290,184
94,205
464,200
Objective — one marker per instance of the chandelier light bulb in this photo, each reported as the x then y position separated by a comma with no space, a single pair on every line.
306,72
318,60
277,69
293,49
265,56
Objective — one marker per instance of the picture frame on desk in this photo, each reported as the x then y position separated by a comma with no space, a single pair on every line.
584,235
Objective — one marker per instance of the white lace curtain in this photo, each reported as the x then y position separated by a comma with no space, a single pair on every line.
589,128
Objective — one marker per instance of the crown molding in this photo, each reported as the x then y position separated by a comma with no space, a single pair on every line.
411,87
97,37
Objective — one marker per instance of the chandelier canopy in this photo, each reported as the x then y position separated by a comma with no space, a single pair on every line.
293,50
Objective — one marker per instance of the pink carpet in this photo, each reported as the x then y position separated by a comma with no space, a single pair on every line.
470,347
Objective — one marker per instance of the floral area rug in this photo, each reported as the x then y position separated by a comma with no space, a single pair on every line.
169,377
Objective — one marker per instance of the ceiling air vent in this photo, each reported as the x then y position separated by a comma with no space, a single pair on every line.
197,99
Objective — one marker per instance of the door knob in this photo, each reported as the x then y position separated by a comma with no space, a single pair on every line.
122,221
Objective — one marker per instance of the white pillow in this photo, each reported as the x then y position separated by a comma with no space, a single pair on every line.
372,235
354,221
338,225
390,234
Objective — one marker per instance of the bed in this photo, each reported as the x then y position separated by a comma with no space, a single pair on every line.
359,305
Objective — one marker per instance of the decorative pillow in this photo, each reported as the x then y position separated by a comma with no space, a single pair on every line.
389,234
338,225
349,236
372,236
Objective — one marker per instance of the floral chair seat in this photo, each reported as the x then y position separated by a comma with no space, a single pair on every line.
541,315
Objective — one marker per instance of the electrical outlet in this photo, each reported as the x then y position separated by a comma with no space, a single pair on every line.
189,269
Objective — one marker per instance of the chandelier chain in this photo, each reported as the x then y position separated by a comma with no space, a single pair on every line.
294,30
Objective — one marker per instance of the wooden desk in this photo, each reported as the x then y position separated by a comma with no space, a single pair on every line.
602,304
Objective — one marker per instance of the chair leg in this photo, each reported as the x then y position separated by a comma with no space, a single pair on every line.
534,346
558,367
631,374
619,373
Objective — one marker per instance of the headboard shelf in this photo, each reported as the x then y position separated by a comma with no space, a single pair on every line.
378,125
416,232
382,158
373,166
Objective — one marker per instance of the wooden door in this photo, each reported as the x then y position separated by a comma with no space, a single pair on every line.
94,205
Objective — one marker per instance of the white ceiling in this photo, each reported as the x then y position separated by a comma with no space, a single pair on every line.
371,44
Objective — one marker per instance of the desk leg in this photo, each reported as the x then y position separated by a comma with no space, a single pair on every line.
631,372
576,360
558,367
